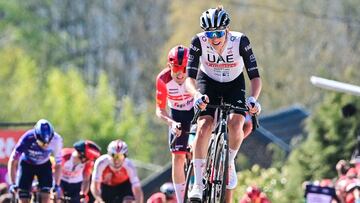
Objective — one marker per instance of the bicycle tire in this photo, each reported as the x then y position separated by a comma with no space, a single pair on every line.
188,183
210,159
220,170
206,174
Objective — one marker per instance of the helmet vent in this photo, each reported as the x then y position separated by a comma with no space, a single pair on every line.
180,55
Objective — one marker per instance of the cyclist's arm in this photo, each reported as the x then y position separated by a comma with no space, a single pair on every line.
161,99
193,65
138,194
57,173
20,147
134,180
163,115
96,190
86,178
190,85
12,168
96,178
58,159
256,86
250,66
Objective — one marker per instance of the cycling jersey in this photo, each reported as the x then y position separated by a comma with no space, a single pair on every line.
104,172
224,67
73,173
170,92
28,150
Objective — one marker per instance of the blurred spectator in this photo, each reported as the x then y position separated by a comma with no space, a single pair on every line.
351,187
254,195
327,183
166,194
321,192
3,188
6,198
341,168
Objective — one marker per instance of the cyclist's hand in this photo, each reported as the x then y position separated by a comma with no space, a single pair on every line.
201,100
99,201
84,198
253,105
13,188
176,128
57,191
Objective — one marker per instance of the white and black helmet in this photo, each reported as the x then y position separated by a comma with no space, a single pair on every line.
214,18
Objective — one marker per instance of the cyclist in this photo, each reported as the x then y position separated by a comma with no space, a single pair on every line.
254,195
166,194
114,176
222,55
171,92
77,165
31,157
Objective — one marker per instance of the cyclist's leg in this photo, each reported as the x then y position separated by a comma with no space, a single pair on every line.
124,190
178,161
25,176
117,192
235,95
247,126
108,193
71,190
44,174
204,128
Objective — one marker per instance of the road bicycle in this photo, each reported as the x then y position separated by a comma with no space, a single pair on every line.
215,176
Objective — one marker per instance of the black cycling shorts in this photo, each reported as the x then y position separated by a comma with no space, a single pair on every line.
232,92
115,194
71,190
27,172
183,117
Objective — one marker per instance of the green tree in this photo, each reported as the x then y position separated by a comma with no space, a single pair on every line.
19,85
331,138
271,181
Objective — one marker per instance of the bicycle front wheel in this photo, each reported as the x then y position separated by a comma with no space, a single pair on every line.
189,181
220,170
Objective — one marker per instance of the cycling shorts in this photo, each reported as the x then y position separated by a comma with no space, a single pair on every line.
183,117
27,172
232,92
112,194
71,190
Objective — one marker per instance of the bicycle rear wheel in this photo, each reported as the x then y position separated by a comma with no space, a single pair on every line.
220,170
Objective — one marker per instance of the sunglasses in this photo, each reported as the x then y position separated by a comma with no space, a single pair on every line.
41,143
215,34
118,156
176,68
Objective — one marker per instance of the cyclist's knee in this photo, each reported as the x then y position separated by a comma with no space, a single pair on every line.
179,158
205,124
236,126
24,194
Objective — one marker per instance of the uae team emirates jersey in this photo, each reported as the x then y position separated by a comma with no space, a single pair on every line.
172,94
224,67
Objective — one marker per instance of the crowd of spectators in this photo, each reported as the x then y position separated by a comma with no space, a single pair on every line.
345,188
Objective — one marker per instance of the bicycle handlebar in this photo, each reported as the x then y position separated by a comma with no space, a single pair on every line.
227,107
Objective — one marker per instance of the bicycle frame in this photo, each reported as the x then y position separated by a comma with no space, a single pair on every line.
216,170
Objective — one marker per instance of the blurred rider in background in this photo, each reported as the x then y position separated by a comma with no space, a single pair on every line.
31,157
